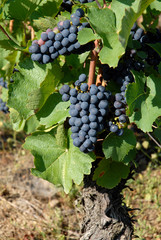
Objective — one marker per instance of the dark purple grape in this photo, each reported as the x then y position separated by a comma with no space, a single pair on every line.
93,139
62,51
52,49
87,143
44,49
100,95
58,37
72,121
72,37
93,89
73,100
44,36
74,135
92,118
49,43
79,12
94,99
85,119
60,26
78,107
75,20
65,33
82,78
120,132
78,122
65,97
51,35
103,112
101,88
73,29
65,42
83,149
117,112
34,48
138,34
92,133
73,113
77,45
84,87
74,129
70,48
84,105
118,96
85,127
94,111
54,55
117,104
66,24
93,125
57,45
122,118
103,104
45,58
83,113
85,97
77,142
73,92
66,88
113,128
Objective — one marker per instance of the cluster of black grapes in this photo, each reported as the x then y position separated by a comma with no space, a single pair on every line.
3,106
151,56
122,77
3,83
120,103
88,110
61,41
68,2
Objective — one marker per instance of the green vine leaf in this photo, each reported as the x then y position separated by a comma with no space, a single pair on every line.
32,86
86,35
109,173
103,22
58,164
21,9
144,106
117,147
54,111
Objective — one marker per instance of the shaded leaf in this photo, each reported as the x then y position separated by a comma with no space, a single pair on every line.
109,173
117,147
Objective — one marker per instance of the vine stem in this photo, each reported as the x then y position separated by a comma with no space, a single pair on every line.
92,67
98,4
154,140
11,25
5,32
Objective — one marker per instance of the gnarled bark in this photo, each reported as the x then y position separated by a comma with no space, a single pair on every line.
106,217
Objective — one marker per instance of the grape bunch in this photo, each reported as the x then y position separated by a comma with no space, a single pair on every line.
88,110
85,1
120,104
3,106
3,83
152,58
61,41
69,3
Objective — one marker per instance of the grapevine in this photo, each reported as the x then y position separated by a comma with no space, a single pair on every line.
77,78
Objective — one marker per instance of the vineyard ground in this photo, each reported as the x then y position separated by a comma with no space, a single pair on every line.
33,209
